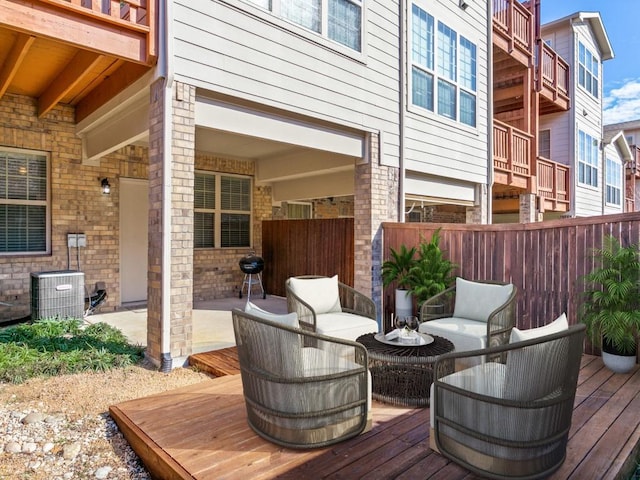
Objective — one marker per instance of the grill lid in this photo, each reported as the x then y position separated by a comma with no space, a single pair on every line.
251,263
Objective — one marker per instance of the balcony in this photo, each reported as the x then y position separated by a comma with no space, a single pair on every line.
553,185
513,30
552,80
75,52
511,156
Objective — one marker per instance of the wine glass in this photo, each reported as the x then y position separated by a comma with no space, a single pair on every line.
400,322
412,323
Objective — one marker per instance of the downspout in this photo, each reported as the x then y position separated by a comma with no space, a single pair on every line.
166,72
402,112
490,114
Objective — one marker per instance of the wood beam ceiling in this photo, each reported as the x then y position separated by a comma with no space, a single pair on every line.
14,60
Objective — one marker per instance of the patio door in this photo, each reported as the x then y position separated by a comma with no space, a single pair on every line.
134,239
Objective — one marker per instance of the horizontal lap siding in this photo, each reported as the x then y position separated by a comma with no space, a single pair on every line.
546,261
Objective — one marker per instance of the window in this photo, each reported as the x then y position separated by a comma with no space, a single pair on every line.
24,215
588,70
222,211
587,159
338,20
443,68
299,210
544,144
629,139
614,182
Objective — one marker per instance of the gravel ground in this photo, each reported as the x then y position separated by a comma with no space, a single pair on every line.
60,428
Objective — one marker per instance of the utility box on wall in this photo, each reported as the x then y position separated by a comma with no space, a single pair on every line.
59,293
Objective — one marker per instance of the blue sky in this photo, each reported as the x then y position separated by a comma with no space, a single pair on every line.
622,73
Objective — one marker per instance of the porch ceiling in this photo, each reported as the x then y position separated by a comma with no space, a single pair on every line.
63,52
294,172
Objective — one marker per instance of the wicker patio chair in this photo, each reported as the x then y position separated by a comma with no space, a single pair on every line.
472,315
327,306
298,395
508,420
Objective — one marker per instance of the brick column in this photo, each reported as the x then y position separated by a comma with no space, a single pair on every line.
528,213
479,214
375,201
171,245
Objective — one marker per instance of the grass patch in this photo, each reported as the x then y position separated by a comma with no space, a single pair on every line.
60,346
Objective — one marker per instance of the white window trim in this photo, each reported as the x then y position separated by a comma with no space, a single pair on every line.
433,114
218,211
47,250
619,187
597,167
588,72
320,39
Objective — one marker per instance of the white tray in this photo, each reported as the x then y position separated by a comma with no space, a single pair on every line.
423,339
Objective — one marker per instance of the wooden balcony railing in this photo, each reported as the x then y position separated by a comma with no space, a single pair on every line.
133,17
553,184
513,23
511,150
630,205
553,72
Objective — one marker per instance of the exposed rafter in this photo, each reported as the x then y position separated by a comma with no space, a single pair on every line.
14,60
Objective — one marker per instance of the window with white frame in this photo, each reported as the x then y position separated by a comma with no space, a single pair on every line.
222,211
588,68
587,159
443,69
337,20
24,196
299,210
614,182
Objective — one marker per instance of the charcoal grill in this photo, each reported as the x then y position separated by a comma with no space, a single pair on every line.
252,266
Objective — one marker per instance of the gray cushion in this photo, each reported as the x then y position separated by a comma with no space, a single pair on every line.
476,301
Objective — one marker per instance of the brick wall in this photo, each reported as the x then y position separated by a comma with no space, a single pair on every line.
77,202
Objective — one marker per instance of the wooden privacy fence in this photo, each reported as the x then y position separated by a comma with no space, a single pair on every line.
306,247
546,260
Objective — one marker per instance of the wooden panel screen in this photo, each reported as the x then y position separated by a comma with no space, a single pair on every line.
306,247
546,261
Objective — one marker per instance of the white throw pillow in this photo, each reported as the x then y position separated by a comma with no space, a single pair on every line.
320,293
289,319
476,301
558,325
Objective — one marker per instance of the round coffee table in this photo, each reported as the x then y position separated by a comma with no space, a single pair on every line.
402,375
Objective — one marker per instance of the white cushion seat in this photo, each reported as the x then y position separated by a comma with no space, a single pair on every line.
345,325
464,333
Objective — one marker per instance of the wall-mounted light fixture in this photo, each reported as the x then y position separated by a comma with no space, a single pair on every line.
463,4
106,188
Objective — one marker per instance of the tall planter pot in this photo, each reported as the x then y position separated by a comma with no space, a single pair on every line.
404,303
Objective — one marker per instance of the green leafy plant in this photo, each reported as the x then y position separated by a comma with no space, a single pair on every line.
432,272
54,347
611,304
397,268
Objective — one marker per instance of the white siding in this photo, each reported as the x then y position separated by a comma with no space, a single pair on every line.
612,153
585,114
438,146
233,48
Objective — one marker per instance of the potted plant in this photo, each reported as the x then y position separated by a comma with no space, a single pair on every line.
611,306
432,272
396,270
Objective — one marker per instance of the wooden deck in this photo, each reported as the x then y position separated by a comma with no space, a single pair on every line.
217,362
200,432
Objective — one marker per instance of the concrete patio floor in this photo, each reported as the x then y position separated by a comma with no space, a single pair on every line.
212,328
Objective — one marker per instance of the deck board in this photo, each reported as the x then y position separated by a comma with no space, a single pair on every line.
201,432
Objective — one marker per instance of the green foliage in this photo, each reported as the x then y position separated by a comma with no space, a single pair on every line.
611,305
432,272
55,347
397,268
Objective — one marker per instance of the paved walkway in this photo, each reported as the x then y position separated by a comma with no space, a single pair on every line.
212,328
